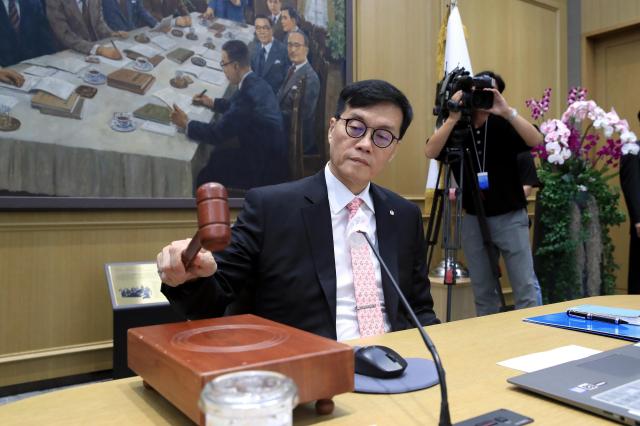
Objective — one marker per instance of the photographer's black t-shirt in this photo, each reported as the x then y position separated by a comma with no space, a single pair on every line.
498,153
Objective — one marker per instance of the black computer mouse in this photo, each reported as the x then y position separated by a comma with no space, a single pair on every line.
379,361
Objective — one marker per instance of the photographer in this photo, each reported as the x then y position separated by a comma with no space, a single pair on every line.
492,138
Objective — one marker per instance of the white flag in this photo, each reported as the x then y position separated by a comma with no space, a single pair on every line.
456,54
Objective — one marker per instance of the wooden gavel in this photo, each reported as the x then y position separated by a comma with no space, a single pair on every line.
214,232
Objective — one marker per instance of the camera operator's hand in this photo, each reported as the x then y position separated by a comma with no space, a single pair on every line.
439,138
455,116
500,106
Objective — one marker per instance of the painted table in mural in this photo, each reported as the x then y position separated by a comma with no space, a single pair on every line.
56,156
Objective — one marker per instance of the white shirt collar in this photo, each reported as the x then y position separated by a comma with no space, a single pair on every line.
340,195
242,79
6,6
298,66
267,47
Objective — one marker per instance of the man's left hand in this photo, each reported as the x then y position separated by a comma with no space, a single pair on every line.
183,21
500,106
11,77
179,117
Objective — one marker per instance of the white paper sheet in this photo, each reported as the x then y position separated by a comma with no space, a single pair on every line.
144,50
213,76
170,97
164,42
539,360
163,129
72,65
39,71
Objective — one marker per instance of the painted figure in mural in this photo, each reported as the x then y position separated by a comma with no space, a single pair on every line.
226,9
24,31
269,57
126,15
78,24
248,139
298,49
309,282
275,15
163,8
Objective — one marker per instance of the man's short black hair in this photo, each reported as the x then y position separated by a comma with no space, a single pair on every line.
237,51
293,13
496,77
372,92
261,16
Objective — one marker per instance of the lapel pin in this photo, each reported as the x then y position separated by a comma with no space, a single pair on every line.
391,212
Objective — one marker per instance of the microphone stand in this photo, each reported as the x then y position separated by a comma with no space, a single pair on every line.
445,416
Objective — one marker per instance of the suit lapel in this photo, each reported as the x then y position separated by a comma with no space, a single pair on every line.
297,75
317,221
388,247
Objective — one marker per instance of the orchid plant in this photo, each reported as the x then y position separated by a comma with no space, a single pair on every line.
564,141
574,170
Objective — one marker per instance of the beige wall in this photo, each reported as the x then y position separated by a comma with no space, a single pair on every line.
54,307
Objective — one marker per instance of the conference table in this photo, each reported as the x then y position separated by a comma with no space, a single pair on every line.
469,350
55,156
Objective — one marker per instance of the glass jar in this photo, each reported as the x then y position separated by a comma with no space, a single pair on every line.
249,398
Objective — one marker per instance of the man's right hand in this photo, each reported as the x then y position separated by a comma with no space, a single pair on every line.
11,77
109,52
208,14
203,100
170,267
183,21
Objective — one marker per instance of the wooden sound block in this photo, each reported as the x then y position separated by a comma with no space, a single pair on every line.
178,359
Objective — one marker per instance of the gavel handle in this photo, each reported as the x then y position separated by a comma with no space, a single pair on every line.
191,251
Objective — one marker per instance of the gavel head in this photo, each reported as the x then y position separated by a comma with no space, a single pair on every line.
214,231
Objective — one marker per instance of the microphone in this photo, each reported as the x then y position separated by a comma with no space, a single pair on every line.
445,417
493,417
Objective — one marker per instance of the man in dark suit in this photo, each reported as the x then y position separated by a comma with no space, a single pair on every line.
163,8
630,183
78,24
298,49
293,245
275,10
24,31
126,15
226,9
248,139
269,57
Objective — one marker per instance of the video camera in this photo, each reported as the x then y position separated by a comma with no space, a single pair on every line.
473,95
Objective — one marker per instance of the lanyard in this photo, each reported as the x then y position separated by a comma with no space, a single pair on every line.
484,147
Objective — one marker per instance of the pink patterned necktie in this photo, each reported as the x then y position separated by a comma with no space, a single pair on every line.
368,309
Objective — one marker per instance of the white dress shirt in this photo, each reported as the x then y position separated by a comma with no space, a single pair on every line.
339,197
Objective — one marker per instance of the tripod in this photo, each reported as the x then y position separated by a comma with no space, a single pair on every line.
450,211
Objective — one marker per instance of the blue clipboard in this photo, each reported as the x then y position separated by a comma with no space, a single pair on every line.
618,331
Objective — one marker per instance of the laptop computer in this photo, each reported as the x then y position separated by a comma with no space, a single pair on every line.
607,384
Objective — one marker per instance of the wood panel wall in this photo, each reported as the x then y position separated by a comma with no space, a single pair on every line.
54,306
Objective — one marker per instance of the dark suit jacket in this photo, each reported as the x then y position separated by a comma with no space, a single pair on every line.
281,252
33,37
278,31
136,16
226,10
275,67
307,104
70,28
163,8
252,117
630,183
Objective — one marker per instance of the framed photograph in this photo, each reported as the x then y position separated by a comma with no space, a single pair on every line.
86,131
134,285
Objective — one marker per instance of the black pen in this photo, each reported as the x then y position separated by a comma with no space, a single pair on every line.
596,317
202,94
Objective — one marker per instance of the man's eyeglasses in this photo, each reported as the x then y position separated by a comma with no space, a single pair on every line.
355,128
224,64
263,27
294,45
